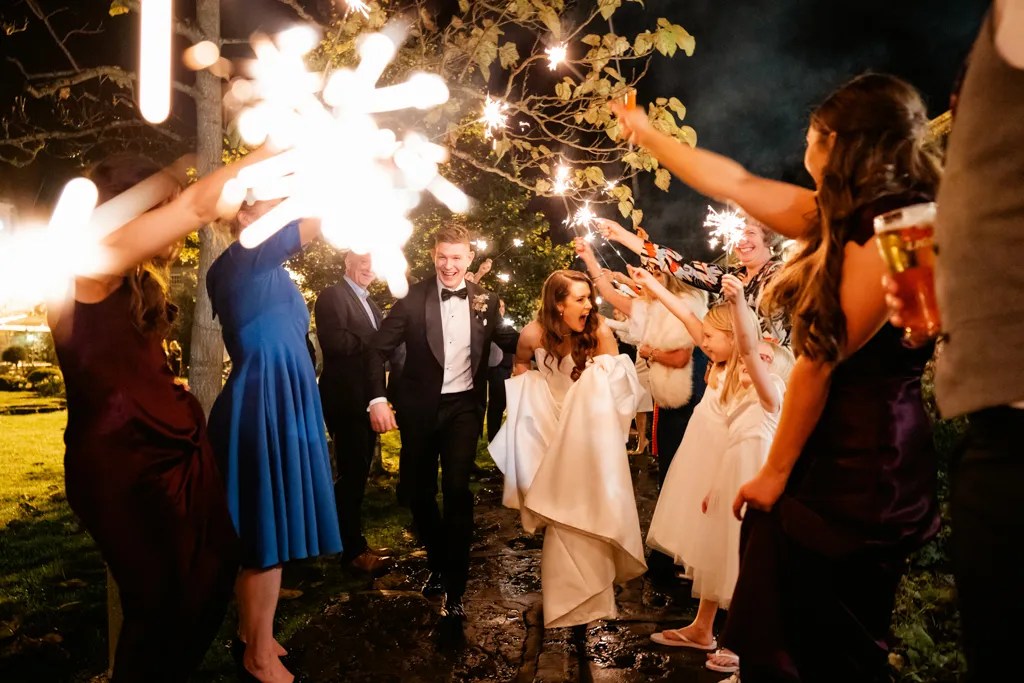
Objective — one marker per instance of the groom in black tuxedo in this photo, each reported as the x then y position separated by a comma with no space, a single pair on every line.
447,325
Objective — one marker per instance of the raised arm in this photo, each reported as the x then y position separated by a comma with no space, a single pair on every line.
744,325
674,304
601,278
783,207
862,298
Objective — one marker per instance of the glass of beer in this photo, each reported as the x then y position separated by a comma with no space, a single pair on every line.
906,240
629,98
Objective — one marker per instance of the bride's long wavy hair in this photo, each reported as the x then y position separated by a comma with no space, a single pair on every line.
881,148
150,309
582,344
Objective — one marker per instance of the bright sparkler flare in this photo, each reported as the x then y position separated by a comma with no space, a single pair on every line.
509,322
481,245
358,6
611,185
516,242
504,277
340,166
556,55
561,182
155,28
494,117
584,218
726,228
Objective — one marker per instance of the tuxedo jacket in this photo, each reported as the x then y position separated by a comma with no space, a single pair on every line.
416,322
345,332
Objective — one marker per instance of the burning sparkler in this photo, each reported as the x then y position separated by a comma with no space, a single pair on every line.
504,277
726,228
494,117
556,55
358,6
561,182
516,242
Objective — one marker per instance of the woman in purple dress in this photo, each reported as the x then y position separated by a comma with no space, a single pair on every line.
849,487
139,470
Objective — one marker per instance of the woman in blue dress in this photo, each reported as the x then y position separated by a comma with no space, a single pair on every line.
267,429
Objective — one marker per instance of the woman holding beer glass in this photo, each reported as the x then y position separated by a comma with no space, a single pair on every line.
848,490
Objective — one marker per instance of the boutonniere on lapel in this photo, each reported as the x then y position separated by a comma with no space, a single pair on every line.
480,302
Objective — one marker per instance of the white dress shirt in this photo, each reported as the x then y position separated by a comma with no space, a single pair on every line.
363,294
455,324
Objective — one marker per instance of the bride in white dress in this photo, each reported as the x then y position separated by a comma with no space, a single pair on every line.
562,450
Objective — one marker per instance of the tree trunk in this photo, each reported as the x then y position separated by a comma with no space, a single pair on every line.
207,353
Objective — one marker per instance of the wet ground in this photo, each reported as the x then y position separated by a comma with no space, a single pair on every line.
389,632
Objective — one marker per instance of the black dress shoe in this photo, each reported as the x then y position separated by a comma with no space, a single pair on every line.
453,609
434,585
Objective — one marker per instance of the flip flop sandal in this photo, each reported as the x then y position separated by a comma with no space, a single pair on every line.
681,641
731,662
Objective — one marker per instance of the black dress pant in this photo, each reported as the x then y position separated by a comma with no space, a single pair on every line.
987,507
354,444
496,377
451,438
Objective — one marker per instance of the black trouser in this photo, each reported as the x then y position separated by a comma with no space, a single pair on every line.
496,377
354,444
988,528
452,437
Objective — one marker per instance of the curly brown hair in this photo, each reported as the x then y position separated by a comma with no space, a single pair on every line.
150,310
880,148
582,344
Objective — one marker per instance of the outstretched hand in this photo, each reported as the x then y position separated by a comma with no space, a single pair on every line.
583,248
633,122
610,230
642,277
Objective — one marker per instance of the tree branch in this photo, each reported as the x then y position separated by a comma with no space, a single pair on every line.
34,143
45,18
66,79
303,14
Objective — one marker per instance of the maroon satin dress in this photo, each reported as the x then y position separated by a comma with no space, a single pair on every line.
819,573
141,476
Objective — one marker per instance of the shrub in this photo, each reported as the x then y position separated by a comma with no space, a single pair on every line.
15,354
42,374
51,386
11,383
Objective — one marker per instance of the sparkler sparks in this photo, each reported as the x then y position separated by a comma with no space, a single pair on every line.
341,167
494,117
726,228
584,218
556,55
504,277
358,6
481,245
561,182
516,242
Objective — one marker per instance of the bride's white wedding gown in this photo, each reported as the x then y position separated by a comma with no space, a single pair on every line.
562,450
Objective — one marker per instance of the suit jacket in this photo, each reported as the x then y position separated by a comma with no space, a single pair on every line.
345,332
416,322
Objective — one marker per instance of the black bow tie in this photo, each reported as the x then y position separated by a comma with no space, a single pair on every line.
449,293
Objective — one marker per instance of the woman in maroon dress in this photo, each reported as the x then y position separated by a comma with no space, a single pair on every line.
139,469
849,487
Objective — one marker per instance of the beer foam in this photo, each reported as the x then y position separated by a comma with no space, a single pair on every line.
905,217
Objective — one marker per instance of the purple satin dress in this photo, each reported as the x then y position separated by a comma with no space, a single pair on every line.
141,476
818,574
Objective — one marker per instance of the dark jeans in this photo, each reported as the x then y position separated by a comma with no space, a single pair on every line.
452,438
354,444
987,507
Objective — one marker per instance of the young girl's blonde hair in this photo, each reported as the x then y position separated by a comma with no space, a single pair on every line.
783,360
720,318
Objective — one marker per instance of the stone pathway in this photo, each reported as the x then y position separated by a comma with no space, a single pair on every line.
390,633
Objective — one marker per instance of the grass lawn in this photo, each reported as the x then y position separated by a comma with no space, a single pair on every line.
53,624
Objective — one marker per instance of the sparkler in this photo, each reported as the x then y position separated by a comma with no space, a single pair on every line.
341,167
494,117
155,23
481,245
358,6
561,183
556,55
726,228
504,277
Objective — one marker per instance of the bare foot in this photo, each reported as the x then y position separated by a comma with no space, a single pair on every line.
691,633
266,668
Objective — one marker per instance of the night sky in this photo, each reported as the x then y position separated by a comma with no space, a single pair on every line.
758,69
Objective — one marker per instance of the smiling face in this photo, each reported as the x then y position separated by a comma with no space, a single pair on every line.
717,344
359,269
752,250
575,308
451,261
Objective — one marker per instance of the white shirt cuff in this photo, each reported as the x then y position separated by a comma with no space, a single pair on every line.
379,399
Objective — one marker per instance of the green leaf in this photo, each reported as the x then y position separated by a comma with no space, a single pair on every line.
608,7
551,20
662,178
508,54
117,8
644,43
675,105
625,208
592,39
637,215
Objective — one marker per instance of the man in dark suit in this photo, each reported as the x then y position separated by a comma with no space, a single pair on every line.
500,370
447,325
346,320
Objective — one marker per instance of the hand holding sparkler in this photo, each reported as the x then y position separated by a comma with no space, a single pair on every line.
634,126
732,289
613,232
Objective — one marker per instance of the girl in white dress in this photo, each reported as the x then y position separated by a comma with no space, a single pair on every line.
562,450
751,408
